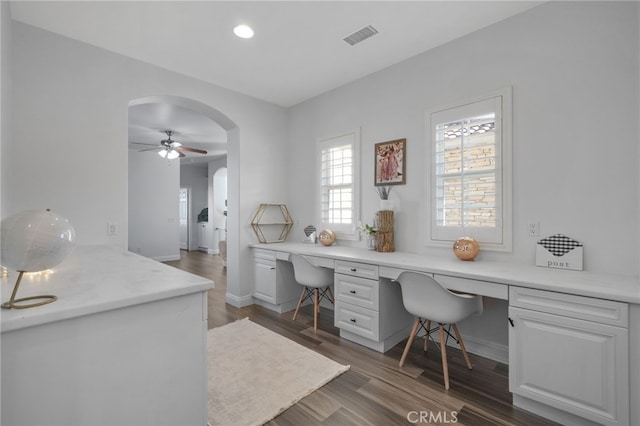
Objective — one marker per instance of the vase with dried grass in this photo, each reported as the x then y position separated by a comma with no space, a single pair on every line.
384,219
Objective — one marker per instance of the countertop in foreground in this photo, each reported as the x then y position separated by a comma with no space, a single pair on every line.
95,279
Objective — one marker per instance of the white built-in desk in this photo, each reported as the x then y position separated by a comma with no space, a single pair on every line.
124,344
574,337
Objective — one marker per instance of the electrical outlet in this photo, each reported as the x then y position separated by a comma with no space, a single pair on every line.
534,229
112,229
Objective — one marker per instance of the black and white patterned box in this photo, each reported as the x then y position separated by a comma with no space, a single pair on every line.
559,251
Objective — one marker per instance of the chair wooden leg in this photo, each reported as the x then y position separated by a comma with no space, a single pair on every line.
295,314
414,331
316,309
333,299
443,351
464,350
426,336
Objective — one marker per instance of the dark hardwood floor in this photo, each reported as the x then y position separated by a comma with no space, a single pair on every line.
375,391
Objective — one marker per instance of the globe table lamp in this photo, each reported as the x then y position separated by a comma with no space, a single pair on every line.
33,241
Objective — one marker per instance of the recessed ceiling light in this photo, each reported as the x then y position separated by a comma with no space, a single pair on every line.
243,31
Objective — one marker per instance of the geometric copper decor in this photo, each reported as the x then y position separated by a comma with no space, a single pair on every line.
267,216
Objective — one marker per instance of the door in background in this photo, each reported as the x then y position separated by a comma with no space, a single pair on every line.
183,200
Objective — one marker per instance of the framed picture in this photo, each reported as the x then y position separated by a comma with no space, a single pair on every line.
391,162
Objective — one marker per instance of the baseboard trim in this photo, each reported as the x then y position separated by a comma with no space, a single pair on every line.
551,413
167,258
238,301
491,350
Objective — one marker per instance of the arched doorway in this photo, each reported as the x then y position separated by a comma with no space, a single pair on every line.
230,128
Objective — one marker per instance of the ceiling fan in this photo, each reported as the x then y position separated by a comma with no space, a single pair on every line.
171,149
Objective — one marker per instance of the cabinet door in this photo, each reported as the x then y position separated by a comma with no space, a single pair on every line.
577,366
265,280
202,235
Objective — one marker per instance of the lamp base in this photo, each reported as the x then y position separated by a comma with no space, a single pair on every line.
12,303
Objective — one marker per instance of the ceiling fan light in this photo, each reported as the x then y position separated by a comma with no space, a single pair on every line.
163,153
172,154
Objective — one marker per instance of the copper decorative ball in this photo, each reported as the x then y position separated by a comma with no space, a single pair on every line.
327,237
466,248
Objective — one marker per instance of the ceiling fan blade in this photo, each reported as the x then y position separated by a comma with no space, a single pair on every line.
141,143
186,148
181,154
151,149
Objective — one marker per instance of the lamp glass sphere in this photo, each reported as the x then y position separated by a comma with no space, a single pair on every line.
32,241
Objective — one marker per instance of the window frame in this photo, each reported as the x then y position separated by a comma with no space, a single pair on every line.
503,170
343,231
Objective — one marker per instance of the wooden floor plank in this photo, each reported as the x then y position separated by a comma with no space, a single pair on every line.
375,391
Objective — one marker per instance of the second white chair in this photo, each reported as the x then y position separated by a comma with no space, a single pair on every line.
428,300
316,282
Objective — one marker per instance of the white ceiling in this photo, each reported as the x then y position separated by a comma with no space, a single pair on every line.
297,52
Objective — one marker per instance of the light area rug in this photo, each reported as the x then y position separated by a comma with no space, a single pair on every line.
255,374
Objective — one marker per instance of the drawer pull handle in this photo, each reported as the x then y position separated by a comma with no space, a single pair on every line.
352,291
353,269
352,320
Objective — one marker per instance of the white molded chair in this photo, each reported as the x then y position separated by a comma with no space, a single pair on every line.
429,301
316,282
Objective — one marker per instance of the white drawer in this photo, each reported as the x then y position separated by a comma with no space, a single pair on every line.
264,254
358,320
323,262
356,269
568,305
486,288
357,291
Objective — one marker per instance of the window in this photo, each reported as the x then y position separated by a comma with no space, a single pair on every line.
339,183
470,172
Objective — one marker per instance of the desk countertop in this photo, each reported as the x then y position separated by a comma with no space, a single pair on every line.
96,279
604,286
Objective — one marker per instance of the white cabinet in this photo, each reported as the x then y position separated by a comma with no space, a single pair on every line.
203,235
571,353
110,368
369,309
274,284
265,279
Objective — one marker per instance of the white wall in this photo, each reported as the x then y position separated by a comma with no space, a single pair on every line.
195,176
5,104
573,67
154,228
70,108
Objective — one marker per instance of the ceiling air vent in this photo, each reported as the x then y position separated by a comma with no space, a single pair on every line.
361,35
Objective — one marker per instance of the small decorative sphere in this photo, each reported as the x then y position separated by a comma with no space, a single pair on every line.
466,248
35,240
327,237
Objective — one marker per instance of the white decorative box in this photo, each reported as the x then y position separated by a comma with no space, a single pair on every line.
559,251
